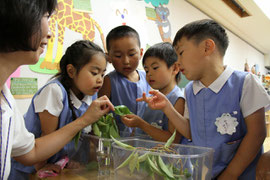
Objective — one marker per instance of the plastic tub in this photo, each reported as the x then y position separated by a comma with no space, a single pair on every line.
184,162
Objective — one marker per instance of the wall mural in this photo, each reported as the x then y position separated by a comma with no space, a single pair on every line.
161,18
66,17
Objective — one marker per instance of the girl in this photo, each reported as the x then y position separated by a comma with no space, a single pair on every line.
63,99
162,73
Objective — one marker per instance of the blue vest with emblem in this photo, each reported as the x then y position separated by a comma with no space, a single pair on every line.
32,123
125,92
156,117
204,108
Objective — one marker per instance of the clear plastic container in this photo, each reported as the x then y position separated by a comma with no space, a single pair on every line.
95,153
184,162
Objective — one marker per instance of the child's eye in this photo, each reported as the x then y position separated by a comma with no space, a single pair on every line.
132,54
94,73
181,53
155,68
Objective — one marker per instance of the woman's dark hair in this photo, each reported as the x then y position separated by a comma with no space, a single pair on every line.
20,20
120,32
78,54
165,52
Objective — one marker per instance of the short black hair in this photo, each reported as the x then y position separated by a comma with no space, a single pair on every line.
202,29
20,20
120,32
165,52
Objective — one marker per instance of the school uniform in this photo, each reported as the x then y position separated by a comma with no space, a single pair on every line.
125,92
217,113
157,118
52,97
16,140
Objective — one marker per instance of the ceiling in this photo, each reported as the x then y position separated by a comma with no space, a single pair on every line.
254,29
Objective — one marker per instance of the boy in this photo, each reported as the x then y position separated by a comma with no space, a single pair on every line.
224,108
125,84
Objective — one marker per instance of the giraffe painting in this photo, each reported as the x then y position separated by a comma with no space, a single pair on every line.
66,17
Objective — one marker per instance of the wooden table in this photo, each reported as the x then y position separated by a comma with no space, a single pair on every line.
74,174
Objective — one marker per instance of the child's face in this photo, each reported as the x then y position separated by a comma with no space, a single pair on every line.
158,75
90,78
190,57
125,55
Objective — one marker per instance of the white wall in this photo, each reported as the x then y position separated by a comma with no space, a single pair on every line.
181,12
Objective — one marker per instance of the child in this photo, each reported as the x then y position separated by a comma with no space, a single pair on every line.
162,73
224,108
22,41
125,84
64,98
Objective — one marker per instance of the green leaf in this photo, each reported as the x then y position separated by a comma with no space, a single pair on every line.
77,138
154,167
143,157
113,132
133,162
164,168
122,110
96,130
126,161
126,146
170,140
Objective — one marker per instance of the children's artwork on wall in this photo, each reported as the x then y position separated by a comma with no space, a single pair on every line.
23,87
66,17
160,15
122,14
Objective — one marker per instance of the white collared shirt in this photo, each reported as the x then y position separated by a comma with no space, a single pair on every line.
253,96
51,99
20,141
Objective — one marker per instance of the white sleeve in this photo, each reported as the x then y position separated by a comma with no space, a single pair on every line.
23,140
254,96
50,99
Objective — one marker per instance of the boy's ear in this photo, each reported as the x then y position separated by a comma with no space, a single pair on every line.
71,71
176,68
209,46
109,59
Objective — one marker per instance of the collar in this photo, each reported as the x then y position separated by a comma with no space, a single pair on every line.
217,84
77,103
8,101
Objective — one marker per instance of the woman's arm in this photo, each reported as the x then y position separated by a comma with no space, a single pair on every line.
48,145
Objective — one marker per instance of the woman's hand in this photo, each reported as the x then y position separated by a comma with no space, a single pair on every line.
131,120
97,109
156,101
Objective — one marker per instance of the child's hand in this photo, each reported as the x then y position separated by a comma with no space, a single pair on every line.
157,101
131,120
97,109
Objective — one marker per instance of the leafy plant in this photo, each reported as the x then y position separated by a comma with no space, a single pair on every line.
106,126
153,164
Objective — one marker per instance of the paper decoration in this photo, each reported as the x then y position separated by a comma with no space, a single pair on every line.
82,5
23,87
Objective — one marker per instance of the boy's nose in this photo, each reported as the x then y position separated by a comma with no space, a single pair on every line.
125,60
